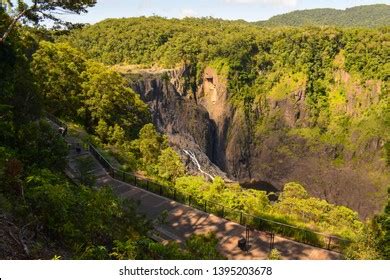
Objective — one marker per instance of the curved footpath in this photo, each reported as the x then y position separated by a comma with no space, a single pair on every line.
183,221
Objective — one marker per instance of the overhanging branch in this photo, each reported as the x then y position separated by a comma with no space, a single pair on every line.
12,25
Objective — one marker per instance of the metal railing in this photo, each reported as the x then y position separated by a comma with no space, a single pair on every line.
264,224
55,120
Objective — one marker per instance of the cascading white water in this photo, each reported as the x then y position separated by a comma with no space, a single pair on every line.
196,162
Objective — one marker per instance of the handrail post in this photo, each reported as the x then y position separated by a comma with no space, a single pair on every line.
161,190
205,205
329,242
223,212
240,217
189,200
174,194
135,180
147,185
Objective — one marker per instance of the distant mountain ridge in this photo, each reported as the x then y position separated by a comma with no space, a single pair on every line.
360,16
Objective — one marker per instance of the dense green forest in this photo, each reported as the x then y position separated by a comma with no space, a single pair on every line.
260,64
361,16
70,76
53,217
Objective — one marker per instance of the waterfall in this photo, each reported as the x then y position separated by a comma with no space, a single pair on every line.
196,162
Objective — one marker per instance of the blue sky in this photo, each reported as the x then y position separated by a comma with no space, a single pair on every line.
250,10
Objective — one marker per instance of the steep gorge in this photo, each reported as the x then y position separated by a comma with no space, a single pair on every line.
230,144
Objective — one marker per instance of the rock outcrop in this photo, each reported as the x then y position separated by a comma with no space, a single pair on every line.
201,119
177,114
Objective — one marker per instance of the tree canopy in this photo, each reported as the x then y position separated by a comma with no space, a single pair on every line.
360,16
37,11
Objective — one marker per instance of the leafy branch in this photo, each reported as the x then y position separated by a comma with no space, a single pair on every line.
40,10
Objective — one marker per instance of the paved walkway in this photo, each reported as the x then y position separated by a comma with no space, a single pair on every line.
183,221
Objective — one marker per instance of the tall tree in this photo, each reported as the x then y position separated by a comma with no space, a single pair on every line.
18,99
57,71
169,165
110,101
384,221
40,10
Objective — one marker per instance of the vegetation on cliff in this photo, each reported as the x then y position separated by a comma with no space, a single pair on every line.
259,64
324,88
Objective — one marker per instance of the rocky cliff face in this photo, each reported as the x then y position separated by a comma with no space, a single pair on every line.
176,113
212,95
226,143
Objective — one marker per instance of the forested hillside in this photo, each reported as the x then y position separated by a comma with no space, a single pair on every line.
43,214
296,93
360,16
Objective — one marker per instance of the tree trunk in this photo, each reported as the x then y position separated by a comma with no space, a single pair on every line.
11,26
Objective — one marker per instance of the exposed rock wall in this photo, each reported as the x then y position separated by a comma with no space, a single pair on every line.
225,143
177,114
212,94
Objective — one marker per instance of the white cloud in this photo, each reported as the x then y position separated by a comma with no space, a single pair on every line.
290,3
188,13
